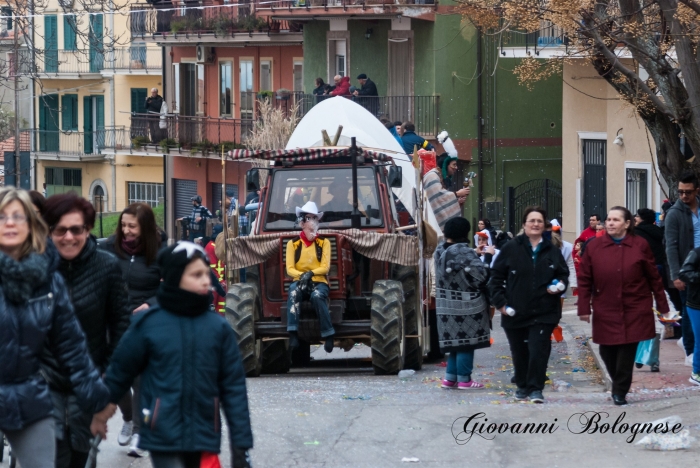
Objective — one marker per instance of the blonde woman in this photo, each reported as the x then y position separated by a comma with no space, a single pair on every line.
36,312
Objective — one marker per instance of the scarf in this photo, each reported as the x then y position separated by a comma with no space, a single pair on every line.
132,247
181,302
304,239
19,279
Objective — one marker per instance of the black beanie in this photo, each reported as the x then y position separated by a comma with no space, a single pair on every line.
457,229
173,260
647,215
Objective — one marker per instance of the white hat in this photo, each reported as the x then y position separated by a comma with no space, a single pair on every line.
309,208
554,222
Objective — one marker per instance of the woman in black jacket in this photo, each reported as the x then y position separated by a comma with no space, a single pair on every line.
98,295
36,312
520,278
136,243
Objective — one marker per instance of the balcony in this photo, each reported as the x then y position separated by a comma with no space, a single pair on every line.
72,63
54,144
423,111
194,133
211,20
549,38
291,9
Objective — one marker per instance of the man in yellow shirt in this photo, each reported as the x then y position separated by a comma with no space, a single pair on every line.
308,262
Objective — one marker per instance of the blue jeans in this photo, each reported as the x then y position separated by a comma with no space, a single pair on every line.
459,366
319,299
687,327
694,316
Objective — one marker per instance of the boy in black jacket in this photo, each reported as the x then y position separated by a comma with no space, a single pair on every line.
690,275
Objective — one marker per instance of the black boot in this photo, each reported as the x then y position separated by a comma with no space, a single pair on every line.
328,346
293,340
638,365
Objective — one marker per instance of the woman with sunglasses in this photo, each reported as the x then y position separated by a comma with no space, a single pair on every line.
36,314
97,290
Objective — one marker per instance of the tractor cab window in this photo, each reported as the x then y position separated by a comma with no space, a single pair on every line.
330,189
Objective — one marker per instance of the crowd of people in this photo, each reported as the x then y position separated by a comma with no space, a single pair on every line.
87,326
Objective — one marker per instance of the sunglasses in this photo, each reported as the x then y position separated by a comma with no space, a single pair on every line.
60,231
686,192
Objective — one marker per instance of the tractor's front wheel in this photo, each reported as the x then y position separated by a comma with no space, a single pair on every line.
387,331
242,310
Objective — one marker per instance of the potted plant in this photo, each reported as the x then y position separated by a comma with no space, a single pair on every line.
166,144
264,95
283,94
139,142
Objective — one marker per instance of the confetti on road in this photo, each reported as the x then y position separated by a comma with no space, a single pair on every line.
359,397
315,442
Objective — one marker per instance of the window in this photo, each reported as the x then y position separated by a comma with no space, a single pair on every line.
69,33
245,82
137,54
298,75
266,75
146,192
200,89
63,180
225,88
69,112
637,189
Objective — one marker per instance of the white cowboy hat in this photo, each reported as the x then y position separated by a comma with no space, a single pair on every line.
309,208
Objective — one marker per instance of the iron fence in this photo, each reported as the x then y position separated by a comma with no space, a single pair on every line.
194,133
290,4
213,18
60,61
537,192
134,58
78,143
549,35
423,111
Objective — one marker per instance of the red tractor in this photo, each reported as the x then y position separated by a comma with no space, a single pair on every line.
371,301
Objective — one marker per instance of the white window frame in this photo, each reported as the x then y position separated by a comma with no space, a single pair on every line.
151,202
298,61
233,93
260,74
640,165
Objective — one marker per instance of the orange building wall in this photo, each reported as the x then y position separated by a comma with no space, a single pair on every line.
207,171
282,70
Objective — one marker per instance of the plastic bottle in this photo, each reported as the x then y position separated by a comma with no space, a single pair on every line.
510,311
406,374
556,286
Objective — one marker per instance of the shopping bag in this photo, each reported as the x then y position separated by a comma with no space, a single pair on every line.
209,460
648,352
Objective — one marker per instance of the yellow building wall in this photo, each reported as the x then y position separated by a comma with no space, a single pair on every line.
135,169
122,92
599,110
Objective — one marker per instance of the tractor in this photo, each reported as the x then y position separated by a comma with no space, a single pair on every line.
372,301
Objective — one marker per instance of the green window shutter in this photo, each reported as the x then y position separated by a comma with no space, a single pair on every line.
69,112
69,33
100,112
51,44
138,99
87,124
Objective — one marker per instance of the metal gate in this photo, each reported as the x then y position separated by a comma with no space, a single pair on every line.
183,191
595,200
636,189
537,192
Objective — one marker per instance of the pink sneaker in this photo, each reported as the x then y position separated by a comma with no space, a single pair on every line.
469,385
449,384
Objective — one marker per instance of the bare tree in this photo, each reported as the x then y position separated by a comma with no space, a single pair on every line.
647,50
273,128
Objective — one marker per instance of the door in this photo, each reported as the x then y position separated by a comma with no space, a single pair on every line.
187,125
96,44
139,126
94,124
400,105
48,123
51,44
298,74
246,88
637,189
183,191
594,179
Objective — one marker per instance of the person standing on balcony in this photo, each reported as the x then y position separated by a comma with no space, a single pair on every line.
154,103
342,86
368,91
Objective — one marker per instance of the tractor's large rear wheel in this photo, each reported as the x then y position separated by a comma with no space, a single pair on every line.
388,338
242,311
408,276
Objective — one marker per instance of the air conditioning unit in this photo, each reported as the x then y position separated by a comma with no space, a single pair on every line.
205,54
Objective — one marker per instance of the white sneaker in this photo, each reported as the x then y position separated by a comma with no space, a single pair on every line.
689,361
134,450
125,434
680,343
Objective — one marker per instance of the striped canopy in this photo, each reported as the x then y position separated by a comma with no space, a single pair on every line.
304,154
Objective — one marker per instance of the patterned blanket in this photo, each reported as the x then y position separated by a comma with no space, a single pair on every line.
443,202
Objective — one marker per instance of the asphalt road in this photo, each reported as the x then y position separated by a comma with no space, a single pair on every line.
338,414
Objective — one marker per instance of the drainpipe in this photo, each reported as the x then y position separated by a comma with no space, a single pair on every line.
165,156
479,119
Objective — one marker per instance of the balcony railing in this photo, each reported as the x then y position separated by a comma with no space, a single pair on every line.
423,111
188,132
79,143
549,35
57,62
212,18
307,4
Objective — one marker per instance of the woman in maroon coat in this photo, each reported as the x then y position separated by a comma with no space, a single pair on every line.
617,277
